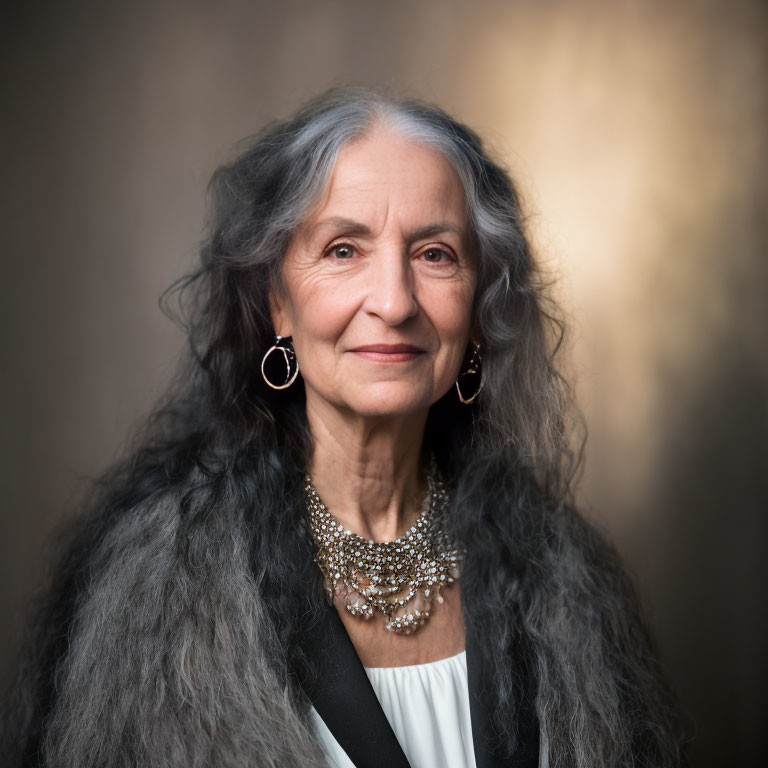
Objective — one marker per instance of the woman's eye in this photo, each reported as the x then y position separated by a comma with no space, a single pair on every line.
435,255
341,251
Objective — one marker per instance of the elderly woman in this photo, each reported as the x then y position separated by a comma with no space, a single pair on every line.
345,538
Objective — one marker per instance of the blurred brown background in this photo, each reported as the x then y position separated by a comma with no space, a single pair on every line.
637,131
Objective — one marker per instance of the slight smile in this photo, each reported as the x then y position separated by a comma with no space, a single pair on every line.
389,353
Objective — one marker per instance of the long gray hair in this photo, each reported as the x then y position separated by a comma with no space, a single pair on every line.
191,530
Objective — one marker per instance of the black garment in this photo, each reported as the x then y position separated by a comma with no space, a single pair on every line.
344,698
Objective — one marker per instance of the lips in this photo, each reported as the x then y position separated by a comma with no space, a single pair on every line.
388,353
388,349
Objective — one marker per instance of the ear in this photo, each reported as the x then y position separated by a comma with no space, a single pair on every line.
279,313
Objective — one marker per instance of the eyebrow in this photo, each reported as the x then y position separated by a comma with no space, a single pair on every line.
352,227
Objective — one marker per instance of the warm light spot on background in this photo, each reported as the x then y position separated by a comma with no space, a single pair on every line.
636,139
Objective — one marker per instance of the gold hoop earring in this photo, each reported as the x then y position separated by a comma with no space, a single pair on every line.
285,347
474,368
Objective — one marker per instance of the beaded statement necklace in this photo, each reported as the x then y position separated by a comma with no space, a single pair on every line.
400,578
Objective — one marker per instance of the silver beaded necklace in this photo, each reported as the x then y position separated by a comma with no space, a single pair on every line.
400,578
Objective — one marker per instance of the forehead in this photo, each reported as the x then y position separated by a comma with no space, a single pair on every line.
385,177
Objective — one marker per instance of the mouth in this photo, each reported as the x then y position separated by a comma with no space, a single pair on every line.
389,353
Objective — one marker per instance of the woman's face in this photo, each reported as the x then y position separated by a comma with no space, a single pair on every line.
379,282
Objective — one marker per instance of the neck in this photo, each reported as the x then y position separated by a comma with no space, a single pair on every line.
367,470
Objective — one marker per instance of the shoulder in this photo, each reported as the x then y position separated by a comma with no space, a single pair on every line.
95,545
166,615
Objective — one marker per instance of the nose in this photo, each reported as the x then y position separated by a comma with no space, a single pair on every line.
390,290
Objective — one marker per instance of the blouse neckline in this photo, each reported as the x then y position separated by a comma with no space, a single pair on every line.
424,665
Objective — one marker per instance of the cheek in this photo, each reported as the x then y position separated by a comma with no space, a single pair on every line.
452,320
319,316
452,315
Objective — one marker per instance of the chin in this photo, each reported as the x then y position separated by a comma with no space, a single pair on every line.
390,403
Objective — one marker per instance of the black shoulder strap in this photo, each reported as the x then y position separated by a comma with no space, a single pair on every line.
489,752
343,696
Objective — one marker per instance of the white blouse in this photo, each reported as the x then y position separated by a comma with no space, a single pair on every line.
427,706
